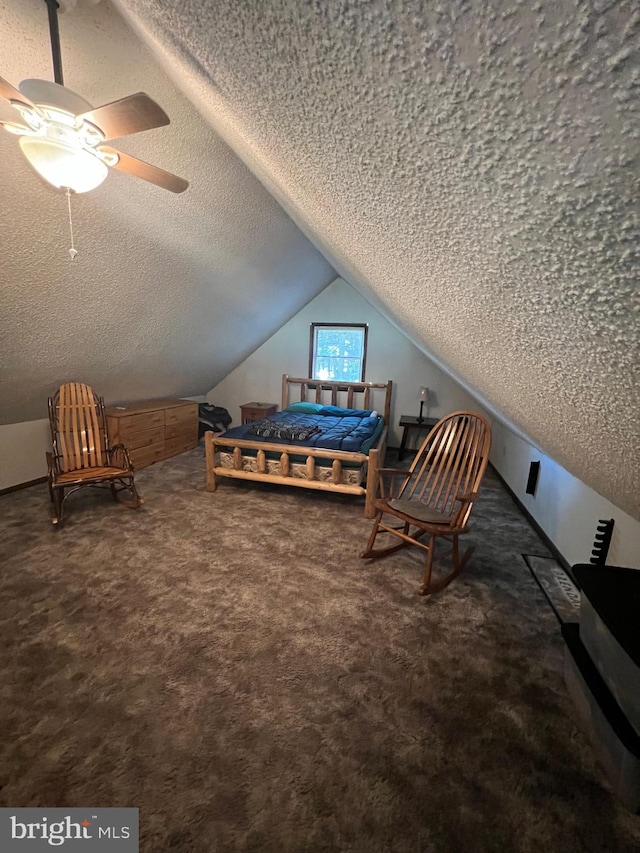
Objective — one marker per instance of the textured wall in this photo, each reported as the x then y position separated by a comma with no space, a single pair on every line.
168,293
470,167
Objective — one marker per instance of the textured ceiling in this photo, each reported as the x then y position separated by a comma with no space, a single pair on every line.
168,292
471,167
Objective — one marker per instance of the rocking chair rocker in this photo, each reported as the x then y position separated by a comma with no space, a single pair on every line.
81,455
435,495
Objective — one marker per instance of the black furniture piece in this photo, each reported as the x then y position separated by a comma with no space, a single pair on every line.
602,671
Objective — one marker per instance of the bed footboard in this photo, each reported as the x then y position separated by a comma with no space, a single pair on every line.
274,463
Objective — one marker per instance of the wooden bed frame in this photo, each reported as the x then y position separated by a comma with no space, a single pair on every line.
256,466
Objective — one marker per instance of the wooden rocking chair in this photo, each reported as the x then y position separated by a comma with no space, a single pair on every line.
435,495
81,455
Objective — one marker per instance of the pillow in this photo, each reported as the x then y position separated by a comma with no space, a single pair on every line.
304,408
337,412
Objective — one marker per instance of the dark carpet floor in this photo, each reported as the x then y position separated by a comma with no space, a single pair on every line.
229,665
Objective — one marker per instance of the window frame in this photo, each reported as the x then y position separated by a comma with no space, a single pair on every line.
312,346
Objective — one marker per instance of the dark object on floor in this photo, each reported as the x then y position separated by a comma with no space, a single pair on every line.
602,540
213,418
436,494
561,592
602,672
81,455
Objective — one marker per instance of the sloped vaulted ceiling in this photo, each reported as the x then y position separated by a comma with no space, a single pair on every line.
168,293
470,167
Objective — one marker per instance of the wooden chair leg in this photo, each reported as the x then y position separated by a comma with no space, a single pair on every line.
455,556
135,500
138,501
397,532
465,558
58,502
428,566
376,553
457,565
372,535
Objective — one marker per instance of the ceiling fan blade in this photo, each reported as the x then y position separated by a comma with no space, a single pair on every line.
17,129
126,116
12,94
140,169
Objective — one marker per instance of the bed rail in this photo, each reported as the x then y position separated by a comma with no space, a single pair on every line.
216,444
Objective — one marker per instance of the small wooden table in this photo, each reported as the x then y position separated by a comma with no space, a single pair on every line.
411,422
256,411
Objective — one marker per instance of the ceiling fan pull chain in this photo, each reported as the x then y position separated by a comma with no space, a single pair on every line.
72,251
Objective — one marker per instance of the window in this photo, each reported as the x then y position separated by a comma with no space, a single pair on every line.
338,351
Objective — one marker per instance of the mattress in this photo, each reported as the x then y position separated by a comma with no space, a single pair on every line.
327,427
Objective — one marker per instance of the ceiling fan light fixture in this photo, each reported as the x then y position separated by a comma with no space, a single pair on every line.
63,135
32,118
63,165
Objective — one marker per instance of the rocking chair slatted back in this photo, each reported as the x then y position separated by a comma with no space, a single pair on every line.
78,427
80,454
449,465
436,495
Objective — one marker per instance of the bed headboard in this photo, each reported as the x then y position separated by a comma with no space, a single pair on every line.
347,395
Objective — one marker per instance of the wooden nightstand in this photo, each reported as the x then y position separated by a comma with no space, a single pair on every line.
256,411
408,423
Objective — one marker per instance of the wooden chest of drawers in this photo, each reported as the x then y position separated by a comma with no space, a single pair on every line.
154,430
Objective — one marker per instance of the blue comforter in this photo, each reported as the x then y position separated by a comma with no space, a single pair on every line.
354,431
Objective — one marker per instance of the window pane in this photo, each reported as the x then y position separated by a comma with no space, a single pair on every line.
338,353
338,368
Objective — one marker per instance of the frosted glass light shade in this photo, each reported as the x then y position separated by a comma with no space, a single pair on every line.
64,165
423,394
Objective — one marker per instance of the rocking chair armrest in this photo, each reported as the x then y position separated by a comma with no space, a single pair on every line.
394,474
467,497
465,501
119,454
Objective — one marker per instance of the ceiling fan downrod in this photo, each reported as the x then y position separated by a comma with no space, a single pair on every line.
54,36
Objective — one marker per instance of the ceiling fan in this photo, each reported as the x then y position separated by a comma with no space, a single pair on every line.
63,136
